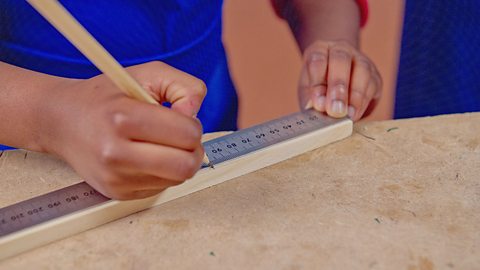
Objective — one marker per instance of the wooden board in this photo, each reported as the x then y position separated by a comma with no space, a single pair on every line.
83,220
407,198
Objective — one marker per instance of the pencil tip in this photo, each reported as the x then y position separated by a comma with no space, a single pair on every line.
309,105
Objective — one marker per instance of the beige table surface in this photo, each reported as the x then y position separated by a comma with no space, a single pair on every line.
408,198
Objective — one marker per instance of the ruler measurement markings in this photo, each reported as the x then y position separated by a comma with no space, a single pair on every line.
81,196
209,151
217,150
228,151
274,129
251,139
263,136
274,136
28,211
18,216
242,146
301,122
234,146
246,142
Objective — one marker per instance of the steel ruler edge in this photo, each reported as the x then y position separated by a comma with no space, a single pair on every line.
88,218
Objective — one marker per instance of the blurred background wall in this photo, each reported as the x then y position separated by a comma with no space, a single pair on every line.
265,61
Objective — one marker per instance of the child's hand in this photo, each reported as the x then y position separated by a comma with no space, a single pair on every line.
124,148
338,79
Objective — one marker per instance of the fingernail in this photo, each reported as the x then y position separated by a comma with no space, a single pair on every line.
338,108
309,105
351,112
317,57
320,103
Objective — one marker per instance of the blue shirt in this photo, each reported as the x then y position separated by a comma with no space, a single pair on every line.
440,61
185,34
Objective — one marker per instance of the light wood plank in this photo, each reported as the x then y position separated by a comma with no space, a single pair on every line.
83,220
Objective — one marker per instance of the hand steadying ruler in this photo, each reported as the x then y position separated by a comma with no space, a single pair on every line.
77,208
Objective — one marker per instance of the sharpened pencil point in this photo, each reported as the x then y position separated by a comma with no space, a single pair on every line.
207,162
309,105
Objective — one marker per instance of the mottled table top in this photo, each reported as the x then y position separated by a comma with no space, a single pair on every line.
396,195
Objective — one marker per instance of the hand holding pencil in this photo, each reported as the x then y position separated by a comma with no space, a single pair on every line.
126,148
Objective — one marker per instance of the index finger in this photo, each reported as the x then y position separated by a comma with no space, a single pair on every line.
168,84
156,124
339,68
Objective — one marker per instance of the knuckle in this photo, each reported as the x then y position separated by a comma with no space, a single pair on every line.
317,46
340,54
119,120
342,44
338,90
109,154
339,85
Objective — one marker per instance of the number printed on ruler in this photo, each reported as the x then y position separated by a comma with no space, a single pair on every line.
81,196
251,139
48,206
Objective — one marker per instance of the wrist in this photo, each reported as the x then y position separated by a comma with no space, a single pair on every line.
329,20
48,115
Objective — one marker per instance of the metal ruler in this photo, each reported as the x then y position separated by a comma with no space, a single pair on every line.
81,196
